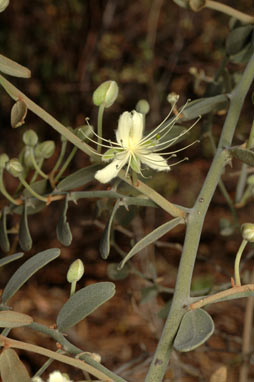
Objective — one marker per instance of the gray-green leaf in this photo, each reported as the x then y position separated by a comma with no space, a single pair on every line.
12,369
195,328
244,155
104,246
83,303
25,240
11,319
152,237
63,230
78,178
27,270
18,114
4,240
9,259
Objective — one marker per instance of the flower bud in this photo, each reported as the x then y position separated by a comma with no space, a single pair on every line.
3,160
45,149
3,5
76,271
172,98
143,106
30,138
27,160
83,132
14,167
248,232
197,5
105,94
250,180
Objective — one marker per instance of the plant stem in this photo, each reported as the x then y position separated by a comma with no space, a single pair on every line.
99,127
66,163
237,262
34,193
194,226
229,11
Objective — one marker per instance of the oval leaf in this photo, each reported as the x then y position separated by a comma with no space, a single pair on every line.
244,155
12,369
25,240
83,303
203,106
104,246
78,178
4,240
117,274
12,68
11,319
152,237
195,328
9,259
238,38
63,230
18,114
27,270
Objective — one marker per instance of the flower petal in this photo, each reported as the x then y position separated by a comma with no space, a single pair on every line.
123,130
136,132
155,161
111,170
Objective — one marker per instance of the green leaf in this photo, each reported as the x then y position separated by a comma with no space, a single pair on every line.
117,274
11,319
12,68
25,240
104,246
148,294
152,237
244,155
4,240
203,106
78,178
83,303
11,368
18,114
9,259
195,328
244,55
63,230
238,38
26,270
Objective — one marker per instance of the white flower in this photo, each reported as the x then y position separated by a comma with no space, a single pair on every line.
57,376
133,149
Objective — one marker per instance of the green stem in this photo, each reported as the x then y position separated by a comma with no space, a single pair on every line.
45,365
66,163
73,287
35,175
194,226
5,192
60,158
99,127
36,167
29,188
237,262
229,11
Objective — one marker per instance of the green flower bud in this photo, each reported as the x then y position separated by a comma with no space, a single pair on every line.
27,161
83,132
106,94
14,167
76,271
248,232
197,5
30,138
3,5
250,180
143,106
45,149
3,160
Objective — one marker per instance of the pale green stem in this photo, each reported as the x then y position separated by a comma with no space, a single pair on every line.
35,164
237,262
194,227
73,287
35,175
5,192
243,176
66,163
99,126
229,11
61,156
45,365
29,188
